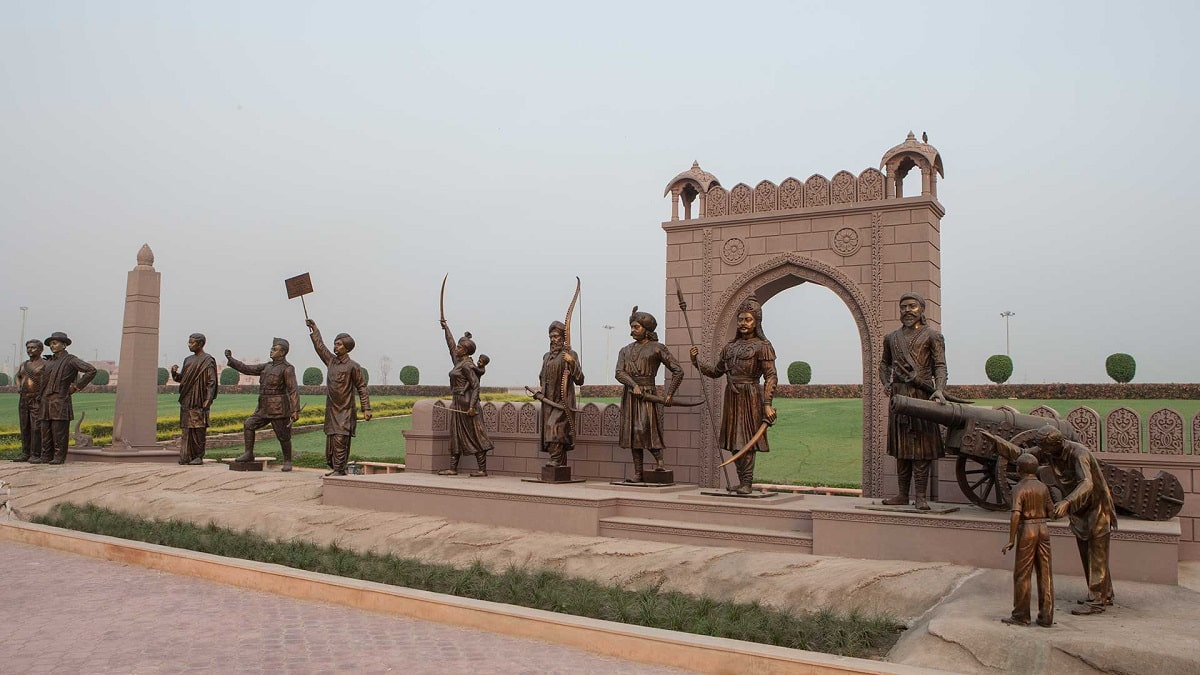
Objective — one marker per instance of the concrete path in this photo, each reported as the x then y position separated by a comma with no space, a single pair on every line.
70,614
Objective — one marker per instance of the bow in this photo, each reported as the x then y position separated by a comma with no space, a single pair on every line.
566,376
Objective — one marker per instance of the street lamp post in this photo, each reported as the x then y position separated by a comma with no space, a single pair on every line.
607,347
1006,314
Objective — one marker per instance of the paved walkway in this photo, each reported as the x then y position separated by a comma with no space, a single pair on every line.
65,613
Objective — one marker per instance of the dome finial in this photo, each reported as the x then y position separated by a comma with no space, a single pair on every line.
145,257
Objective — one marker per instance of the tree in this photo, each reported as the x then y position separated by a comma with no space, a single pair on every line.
163,376
1120,367
313,377
799,372
999,367
229,376
410,375
3,379
101,378
385,367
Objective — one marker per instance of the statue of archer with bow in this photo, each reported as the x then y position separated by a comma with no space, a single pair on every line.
561,373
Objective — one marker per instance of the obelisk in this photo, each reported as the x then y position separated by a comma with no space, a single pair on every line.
135,421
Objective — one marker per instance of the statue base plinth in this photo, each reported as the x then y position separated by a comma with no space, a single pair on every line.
245,466
554,474
654,478
934,509
757,494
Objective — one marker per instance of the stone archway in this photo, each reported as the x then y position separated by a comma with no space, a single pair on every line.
856,235
765,281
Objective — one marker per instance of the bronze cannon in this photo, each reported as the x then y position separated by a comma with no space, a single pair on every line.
986,478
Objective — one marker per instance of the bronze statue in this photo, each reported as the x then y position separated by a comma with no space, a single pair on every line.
914,365
197,390
1088,505
278,400
29,387
466,425
1027,530
343,378
746,412
63,375
637,368
561,373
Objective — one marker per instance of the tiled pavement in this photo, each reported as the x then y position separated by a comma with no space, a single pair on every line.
64,613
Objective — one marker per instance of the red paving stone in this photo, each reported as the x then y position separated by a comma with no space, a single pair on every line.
65,613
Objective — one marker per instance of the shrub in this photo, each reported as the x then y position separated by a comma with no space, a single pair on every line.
998,368
101,378
1120,367
4,379
313,377
799,372
229,376
410,375
163,376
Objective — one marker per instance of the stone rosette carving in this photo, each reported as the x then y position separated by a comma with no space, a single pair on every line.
846,241
734,251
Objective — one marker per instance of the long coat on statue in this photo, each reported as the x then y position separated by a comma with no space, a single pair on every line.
914,363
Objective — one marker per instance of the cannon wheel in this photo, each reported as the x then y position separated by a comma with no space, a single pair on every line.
987,483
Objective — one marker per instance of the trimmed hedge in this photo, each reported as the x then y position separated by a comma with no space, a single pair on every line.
313,377
1120,367
998,368
799,372
4,379
164,376
229,376
101,378
410,375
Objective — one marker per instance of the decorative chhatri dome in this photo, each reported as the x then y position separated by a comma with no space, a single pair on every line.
145,257
705,179
912,145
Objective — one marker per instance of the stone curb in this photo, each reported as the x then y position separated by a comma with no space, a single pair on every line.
636,643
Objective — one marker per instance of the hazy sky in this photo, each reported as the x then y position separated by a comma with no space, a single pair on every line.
516,145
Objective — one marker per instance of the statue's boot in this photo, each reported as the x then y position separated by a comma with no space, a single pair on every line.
453,470
286,446
248,455
905,481
745,472
658,460
36,459
481,459
60,457
638,468
919,499
23,457
197,461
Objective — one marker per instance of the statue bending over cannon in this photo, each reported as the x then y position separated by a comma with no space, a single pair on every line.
987,477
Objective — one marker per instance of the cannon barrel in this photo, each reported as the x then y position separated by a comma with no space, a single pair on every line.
961,421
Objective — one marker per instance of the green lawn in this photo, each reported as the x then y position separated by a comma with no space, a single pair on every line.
99,407
378,440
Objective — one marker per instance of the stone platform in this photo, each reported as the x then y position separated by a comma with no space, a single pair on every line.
818,524
114,453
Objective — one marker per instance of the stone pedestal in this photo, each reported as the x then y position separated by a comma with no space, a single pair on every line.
555,474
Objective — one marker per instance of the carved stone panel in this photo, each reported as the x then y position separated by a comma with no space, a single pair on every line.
1044,411
843,189
1010,409
441,418
870,186
740,199
846,241
611,420
1166,432
733,251
816,191
1196,434
1123,431
716,202
527,423
508,419
589,420
764,196
1086,423
491,418
791,194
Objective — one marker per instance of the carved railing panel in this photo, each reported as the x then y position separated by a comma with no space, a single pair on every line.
491,418
791,194
816,191
1166,432
611,420
1086,423
870,186
764,196
1123,431
590,420
741,199
843,189
1045,411
527,422
441,418
716,202
508,419
1196,434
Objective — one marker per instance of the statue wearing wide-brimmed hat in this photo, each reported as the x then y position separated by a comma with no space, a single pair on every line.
63,375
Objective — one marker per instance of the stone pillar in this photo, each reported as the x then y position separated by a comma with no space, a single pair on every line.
675,204
135,419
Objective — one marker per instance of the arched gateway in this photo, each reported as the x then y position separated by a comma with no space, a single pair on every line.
855,235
